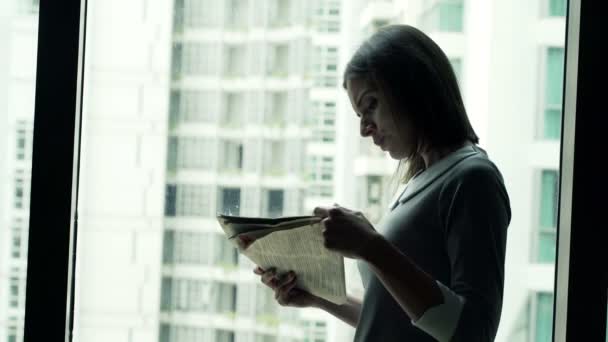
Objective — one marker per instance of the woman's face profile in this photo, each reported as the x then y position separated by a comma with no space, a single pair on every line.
376,120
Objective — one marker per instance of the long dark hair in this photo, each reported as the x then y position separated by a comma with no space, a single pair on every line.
417,80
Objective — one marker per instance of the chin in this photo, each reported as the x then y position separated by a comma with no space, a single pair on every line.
396,155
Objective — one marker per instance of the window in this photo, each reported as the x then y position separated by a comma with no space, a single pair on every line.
324,67
326,17
236,14
195,295
19,236
196,13
279,13
276,108
557,8
194,59
230,199
553,86
234,60
193,153
277,62
274,158
443,16
250,124
457,67
321,168
21,197
543,317
23,143
274,203
323,121
14,292
194,106
231,156
234,109
548,216
187,200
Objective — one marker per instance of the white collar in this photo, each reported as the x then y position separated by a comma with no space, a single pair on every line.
425,178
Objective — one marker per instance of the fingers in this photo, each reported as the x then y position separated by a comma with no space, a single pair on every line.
282,293
321,211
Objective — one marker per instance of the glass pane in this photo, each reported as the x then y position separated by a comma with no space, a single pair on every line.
553,92
450,15
547,247
18,47
544,317
557,8
199,107
549,199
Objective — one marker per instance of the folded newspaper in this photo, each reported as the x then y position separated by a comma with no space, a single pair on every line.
290,243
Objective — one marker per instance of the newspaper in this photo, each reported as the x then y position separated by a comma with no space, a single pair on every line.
290,243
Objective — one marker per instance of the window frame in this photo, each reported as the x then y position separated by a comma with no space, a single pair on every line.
580,291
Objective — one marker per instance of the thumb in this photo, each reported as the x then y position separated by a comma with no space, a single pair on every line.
333,212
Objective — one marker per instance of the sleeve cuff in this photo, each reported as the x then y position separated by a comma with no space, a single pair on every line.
440,321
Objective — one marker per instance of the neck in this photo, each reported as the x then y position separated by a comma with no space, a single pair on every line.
432,156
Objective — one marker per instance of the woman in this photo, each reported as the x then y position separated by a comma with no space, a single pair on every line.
433,267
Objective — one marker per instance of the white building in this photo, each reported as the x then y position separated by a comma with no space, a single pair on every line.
18,32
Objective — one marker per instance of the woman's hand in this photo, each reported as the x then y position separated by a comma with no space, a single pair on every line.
284,289
347,232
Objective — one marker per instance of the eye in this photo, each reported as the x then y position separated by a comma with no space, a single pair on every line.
373,104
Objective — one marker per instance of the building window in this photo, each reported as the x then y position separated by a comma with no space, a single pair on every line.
230,201
195,14
321,168
234,58
324,124
14,292
325,66
277,60
314,330
234,109
279,13
274,158
557,8
443,16
274,203
236,14
188,200
194,59
20,144
195,106
457,67
194,153
265,304
553,87
21,199
543,325
326,16
224,336
231,156
196,295
548,216
276,108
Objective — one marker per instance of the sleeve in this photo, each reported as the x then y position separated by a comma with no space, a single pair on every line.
440,321
476,213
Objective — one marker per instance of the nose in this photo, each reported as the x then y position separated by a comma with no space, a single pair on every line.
367,128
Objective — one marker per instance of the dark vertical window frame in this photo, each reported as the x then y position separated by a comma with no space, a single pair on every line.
53,219
582,271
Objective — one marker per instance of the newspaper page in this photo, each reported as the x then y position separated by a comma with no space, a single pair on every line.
319,270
